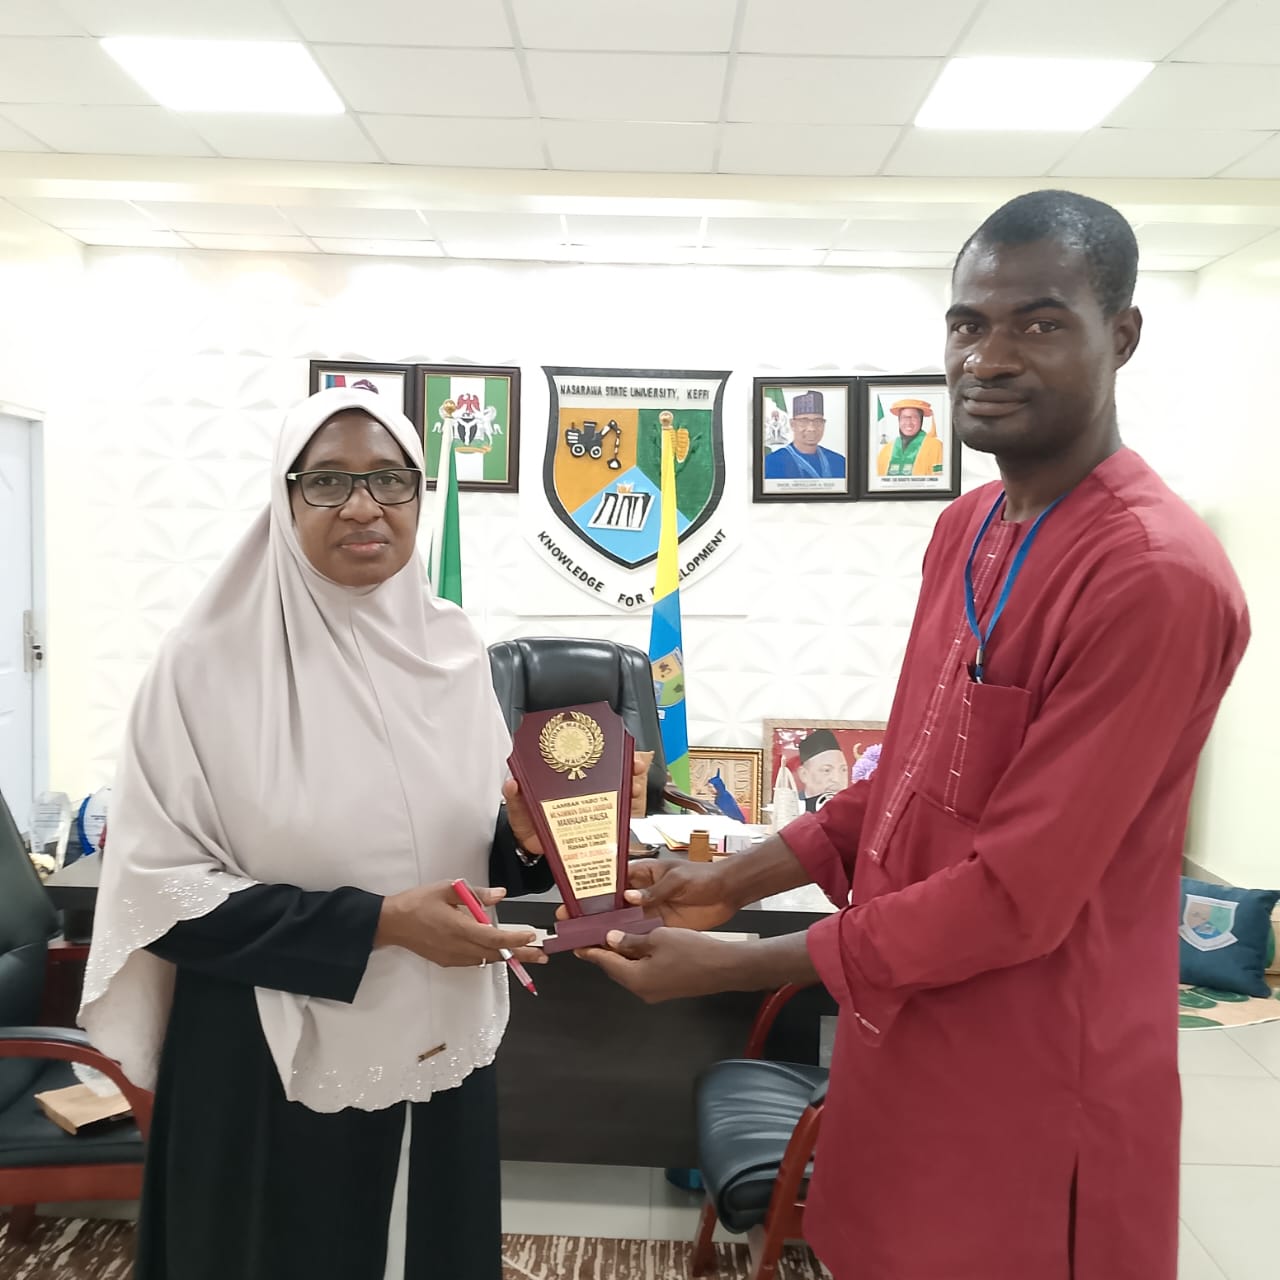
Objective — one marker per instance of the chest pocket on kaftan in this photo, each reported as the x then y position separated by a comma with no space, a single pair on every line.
972,745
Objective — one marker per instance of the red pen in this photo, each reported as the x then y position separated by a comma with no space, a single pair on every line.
472,904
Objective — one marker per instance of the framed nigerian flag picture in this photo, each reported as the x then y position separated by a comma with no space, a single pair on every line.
479,407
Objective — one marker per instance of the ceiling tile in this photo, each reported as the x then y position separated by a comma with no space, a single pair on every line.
494,228
63,70
102,214
253,244
812,150
426,82
907,28
673,26
120,131
1245,31
830,90
127,238
475,24
772,233
240,219
1095,29
630,146
608,230
946,153
1200,97
13,138
1156,153
905,236
358,224
1195,238
627,86
888,258
477,144
1262,163
284,137
225,20
35,18
380,248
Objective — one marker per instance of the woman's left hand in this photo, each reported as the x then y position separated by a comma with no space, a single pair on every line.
522,824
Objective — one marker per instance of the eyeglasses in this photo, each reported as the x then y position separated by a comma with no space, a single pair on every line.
390,488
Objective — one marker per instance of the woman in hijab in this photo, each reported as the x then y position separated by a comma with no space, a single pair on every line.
314,756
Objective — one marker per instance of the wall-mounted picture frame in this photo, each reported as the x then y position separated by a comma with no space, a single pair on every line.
821,755
394,381
479,405
739,771
906,444
804,439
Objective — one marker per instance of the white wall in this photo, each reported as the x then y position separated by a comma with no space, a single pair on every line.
39,276
195,356
1231,360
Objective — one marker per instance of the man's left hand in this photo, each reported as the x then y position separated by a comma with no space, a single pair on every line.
522,824
668,964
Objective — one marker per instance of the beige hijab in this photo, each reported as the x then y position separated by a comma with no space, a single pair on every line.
295,731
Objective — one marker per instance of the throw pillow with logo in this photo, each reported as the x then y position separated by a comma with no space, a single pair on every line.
1223,936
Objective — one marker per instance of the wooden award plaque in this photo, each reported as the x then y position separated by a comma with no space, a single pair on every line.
574,768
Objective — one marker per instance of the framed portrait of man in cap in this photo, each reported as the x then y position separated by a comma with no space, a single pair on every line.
801,440
820,757
906,446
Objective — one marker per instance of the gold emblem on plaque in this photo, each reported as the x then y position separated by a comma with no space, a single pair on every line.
571,742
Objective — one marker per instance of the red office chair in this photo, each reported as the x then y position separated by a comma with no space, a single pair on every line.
758,1124
39,1163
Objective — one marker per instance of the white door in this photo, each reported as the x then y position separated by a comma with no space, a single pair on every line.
17,710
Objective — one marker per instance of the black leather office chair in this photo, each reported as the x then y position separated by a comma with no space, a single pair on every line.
39,1163
758,1124
543,672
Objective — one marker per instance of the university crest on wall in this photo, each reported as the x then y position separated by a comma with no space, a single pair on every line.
602,475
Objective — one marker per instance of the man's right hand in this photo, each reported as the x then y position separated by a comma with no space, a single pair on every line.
687,895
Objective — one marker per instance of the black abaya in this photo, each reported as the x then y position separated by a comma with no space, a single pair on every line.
242,1184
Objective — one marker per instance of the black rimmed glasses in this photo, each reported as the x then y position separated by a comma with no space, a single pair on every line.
391,487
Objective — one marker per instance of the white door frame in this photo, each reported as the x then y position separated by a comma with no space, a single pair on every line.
39,599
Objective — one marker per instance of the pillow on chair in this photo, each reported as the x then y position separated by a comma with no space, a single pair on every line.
1223,936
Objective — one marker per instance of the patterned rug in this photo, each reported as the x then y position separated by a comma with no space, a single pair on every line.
92,1249
1205,1007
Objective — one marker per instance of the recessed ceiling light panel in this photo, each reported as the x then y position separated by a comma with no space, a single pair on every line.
1047,95
258,76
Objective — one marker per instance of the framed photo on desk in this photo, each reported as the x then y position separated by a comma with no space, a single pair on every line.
738,770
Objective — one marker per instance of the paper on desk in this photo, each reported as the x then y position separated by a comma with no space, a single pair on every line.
674,830
808,897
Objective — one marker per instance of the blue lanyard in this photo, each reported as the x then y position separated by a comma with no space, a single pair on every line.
970,608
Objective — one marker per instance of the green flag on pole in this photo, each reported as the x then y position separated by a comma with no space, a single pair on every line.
445,564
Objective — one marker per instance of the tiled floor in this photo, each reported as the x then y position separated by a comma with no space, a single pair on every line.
1230,1174
1230,1153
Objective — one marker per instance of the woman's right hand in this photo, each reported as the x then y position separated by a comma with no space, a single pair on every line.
688,895
432,922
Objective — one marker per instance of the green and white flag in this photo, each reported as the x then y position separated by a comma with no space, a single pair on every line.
476,411
445,564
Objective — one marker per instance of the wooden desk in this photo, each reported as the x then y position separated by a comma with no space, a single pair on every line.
587,1073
